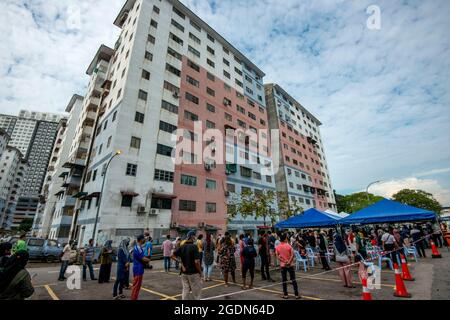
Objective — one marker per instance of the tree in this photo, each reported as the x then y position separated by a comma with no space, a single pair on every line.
287,208
419,199
357,201
258,204
26,225
339,203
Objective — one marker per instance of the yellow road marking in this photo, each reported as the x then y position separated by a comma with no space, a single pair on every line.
275,291
206,288
158,293
51,292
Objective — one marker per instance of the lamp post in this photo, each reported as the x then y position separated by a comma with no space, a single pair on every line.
118,152
367,189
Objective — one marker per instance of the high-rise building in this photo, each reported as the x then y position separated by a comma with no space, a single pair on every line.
303,173
12,169
170,70
57,208
33,134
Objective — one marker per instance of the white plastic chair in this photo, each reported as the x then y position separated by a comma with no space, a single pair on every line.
298,260
411,251
311,256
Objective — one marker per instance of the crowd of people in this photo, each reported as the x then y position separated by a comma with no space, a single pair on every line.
195,257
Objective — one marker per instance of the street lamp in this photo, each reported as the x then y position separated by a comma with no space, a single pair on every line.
118,153
367,189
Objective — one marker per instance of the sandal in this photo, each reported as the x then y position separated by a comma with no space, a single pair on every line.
285,297
298,297
244,288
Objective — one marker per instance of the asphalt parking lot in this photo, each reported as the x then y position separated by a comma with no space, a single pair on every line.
431,282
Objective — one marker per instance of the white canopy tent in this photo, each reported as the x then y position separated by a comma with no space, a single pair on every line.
340,215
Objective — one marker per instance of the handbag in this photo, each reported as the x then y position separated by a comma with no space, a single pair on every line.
341,257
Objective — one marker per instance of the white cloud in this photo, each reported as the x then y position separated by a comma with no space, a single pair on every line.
389,188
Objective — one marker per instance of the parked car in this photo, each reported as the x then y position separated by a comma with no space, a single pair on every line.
97,251
157,248
44,250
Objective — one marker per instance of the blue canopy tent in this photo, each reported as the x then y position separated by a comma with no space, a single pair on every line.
385,211
311,218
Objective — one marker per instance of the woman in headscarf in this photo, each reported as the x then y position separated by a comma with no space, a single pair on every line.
208,257
15,281
343,260
105,262
123,264
5,252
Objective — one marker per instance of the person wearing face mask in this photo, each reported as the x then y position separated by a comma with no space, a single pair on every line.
123,265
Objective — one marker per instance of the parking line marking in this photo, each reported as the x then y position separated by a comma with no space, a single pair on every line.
275,291
158,293
206,288
51,292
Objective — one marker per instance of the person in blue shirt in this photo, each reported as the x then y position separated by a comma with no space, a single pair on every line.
123,265
139,260
148,249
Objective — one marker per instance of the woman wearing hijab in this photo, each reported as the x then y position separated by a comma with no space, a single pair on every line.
208,257
5,252
343,260
123,264
15,281
105,262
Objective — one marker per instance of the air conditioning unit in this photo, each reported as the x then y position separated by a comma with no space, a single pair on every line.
141,209
154,212
175,95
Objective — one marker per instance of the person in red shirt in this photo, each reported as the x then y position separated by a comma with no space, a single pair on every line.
285,254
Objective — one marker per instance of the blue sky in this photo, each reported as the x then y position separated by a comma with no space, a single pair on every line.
382,95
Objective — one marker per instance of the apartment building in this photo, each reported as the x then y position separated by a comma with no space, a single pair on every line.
33,134
171,71
303,172
12,170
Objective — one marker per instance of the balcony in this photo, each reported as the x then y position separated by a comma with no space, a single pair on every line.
106,88
69,202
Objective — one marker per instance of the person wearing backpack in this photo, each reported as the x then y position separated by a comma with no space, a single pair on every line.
15,281
248,255
390,244
343,261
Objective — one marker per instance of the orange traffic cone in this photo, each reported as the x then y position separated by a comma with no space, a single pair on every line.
434,251
400,289
366,292
406,275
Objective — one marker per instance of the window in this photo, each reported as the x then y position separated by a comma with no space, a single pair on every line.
210,38
173,53
164,150
109,142
145,74
173,70
178,12
246,172
211,92
175,38
228,117
153,23
167,127
114,116
169,107
226,74
161,203
194,51
190,116
210,124
211,184
177,25
240,109
188,180
192,81
187,205
156,9
172,88
148,56
226,62
239,72
143,95
210,76
193,66
131,169
135,143
210,108
196,26
210,50
256,175
192,98
162,175
211,63
241,123
210,207
194,38
127,201
251,115
231,187
94,175
239,83
269,179
151,39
